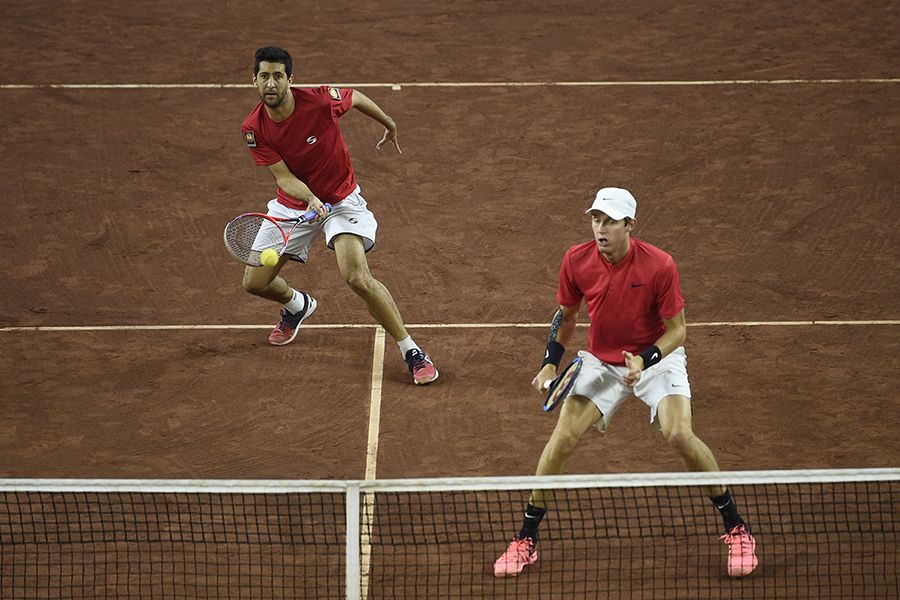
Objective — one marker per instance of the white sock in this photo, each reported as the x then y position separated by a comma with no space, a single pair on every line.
297,303
406,344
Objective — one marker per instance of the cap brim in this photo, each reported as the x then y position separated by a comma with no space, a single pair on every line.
612,215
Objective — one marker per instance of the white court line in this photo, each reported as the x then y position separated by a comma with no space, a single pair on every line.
48,328
458,84
371,460
375,403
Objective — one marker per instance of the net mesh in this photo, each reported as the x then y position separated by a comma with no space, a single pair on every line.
158,545
248,235
815,539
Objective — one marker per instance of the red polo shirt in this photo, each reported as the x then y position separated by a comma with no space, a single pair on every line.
626,301
309,142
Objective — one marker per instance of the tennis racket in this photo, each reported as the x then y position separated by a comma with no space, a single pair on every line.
247,235
559,388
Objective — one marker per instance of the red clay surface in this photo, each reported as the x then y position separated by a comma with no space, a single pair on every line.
777,202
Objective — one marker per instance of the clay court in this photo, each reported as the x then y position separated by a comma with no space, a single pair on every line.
761,144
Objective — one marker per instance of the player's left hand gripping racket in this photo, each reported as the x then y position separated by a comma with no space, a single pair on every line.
560,387
247,235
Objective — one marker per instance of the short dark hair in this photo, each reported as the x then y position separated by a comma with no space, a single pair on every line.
273,54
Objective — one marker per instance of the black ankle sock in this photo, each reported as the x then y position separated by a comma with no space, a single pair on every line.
729,511
533,516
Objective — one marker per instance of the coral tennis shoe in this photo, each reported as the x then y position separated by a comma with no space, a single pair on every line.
521,553
287,328
741,551
420,367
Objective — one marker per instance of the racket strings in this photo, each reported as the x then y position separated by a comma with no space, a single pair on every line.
566,378
561,387
248,235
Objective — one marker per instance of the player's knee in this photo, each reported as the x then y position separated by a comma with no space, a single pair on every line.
253,285
680,439
360,282
563,443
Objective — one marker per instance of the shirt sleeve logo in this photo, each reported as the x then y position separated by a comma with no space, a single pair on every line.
250,138
335,94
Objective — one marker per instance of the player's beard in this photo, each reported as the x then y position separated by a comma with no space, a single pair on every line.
276,101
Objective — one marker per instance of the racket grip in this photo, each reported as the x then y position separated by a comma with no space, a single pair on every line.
311,214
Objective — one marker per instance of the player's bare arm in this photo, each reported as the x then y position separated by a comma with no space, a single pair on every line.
367,106
562,328
674,336
295,188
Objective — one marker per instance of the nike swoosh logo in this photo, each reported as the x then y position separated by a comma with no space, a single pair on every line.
655,356
546,354
634,285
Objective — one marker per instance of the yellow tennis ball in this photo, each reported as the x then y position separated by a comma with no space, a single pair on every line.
268,257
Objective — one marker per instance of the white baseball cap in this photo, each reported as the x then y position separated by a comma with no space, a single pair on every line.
615,202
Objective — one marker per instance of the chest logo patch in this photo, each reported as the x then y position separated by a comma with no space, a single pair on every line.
312,139
335,94
250,138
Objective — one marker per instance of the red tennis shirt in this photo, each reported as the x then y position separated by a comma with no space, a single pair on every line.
309,142
626,301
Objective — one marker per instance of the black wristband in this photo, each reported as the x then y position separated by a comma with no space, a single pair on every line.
651,356
554,354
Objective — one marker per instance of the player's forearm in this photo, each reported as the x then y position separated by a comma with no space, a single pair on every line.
366,106
295,188
562,327
668,342
674,336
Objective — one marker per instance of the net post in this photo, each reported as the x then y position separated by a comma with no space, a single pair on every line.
353,572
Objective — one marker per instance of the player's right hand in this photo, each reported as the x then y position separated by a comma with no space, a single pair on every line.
317,205
543,378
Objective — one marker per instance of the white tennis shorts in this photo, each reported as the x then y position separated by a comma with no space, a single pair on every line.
603,384
350,215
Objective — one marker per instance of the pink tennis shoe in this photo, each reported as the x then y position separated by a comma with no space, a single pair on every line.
741,551
520,554
741,554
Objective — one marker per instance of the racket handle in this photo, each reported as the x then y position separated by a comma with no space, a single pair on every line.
311,214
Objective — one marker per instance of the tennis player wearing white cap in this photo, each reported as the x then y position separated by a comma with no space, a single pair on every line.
637,329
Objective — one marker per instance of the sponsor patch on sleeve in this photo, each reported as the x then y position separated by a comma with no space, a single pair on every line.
250,138
335,93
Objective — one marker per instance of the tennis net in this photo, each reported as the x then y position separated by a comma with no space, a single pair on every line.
820,534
